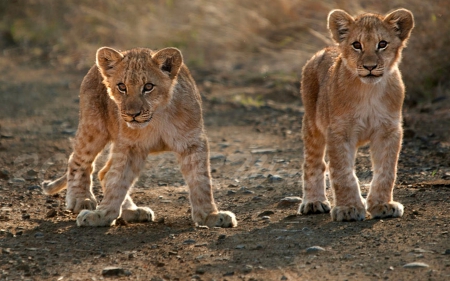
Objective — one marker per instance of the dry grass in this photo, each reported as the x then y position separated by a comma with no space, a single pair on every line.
232,36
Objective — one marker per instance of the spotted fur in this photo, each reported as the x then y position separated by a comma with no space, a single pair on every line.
140,101
353,94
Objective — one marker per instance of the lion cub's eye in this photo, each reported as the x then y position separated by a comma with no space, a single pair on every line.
122,87
382,44
357,46
148,88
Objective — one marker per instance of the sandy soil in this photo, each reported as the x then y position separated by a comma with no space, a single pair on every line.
256,156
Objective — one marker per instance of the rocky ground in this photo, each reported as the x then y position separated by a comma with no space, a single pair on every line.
256,156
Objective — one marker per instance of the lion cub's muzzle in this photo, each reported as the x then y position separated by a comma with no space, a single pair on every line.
137,119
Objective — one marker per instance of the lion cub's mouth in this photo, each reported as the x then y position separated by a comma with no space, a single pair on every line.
135,124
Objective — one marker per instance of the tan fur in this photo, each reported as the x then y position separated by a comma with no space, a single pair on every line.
142,102
353,94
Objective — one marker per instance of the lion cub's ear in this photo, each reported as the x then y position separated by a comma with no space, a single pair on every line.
169,60
106,59
339,23
402,21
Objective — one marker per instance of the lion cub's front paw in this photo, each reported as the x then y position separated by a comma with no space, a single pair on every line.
314,207
94,218
141,214
348,213
82,203
386,210
221,219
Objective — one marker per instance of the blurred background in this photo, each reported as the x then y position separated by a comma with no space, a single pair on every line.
228,42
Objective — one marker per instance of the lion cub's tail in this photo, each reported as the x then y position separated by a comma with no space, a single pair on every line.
56,186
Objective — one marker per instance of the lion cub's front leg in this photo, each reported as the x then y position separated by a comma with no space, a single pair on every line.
314,198
385,149
195,168
121,171
349,205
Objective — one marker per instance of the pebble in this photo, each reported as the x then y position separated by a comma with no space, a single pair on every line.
283,278
222,236
289,201
266,213
265,218
247,268
274,178
115,271
263,151
447,252
240,247
26,216
217,157
189,242
228,273
51,213
33,187
4,175
39,235
200,271
231,192
416,265
18,180
314,249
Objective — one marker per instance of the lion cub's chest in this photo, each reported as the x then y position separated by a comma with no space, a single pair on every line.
369,111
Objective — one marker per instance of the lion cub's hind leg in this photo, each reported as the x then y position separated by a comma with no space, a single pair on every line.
314,198
88,143
133,213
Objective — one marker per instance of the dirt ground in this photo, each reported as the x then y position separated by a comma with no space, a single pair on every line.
256,156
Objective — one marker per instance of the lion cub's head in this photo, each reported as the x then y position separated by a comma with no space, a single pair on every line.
371,44
139,80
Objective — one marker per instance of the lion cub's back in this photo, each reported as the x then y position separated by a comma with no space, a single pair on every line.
315,75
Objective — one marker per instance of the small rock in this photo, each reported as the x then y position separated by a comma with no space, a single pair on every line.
228,273
240,247
221,236
266,213
115,271
416,265
265,218
51,213
256,198
274,178
189,242
246,191
4,175
200,271
217,157
314,249
231,192
289,201
447,252
283,278
26,216
263,151
33,187
6,251
18,180
38,235
247,268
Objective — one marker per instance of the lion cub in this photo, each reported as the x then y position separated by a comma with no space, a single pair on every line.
140,101
353,94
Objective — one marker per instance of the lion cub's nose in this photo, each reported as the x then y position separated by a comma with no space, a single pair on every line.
370,67
134,114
